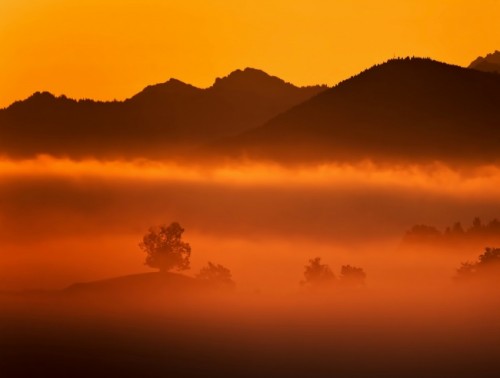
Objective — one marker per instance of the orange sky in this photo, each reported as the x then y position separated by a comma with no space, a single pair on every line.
107,49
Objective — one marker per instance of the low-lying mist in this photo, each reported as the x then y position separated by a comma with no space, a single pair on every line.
64,222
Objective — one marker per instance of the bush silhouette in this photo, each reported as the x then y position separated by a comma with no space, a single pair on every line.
317,274
216,274
165,249
352,276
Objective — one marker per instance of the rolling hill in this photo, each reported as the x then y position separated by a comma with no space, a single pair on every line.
138,285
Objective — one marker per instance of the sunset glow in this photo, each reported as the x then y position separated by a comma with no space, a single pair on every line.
241,189
112,49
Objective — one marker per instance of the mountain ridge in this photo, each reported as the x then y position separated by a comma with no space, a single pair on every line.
163,120
407,109
173,84
411,108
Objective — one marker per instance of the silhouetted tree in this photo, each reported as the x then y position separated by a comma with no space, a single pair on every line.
489,257
165,249
487,266
317,273
352,276
216,274
478,232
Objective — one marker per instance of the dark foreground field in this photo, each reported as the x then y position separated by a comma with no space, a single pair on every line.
451,332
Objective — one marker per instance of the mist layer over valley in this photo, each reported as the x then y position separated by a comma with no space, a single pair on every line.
65,221
76,291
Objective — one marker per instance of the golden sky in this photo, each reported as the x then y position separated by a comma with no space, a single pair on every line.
106,49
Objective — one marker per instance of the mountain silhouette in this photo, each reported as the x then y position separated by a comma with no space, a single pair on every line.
489,63
405,109
161,121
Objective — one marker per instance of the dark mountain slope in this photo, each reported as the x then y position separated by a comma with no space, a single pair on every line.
163,120
405,109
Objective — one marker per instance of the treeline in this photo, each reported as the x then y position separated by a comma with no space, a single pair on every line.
478,231
166,250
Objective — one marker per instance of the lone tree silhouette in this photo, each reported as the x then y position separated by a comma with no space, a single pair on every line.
165,249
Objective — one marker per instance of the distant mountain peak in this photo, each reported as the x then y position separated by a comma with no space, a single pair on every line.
39,99
170,87
171,84
43,97
249,79
493,57
43,94
249,72
246,72
489,63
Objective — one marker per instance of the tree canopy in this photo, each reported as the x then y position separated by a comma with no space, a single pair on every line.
317,273
352,276
165,248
